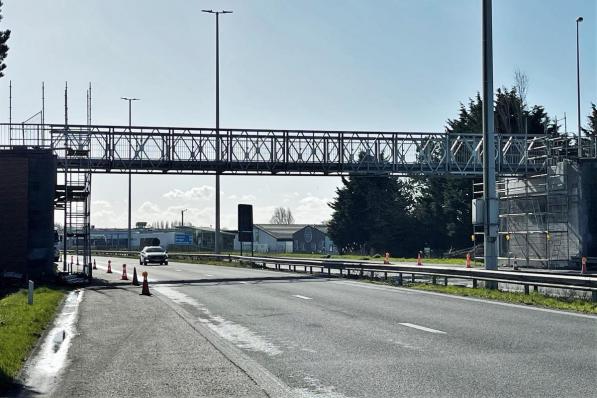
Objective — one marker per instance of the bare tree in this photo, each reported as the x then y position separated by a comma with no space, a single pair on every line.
521,83
282,216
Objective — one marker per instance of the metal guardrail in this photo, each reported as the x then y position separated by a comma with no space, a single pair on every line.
359,268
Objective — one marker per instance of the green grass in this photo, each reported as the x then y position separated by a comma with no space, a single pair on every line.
533,298
21,325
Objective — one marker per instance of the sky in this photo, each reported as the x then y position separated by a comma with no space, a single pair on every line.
391,65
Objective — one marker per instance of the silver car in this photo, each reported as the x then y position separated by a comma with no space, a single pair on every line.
153,254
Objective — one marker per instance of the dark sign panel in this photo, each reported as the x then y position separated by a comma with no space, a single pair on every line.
245,223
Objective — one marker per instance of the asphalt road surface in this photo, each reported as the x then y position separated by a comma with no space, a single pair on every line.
339,338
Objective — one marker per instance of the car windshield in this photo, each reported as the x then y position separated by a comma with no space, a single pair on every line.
154,250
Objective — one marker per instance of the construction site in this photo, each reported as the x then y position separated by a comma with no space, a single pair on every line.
547,218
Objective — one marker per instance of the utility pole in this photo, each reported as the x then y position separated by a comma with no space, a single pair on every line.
130,100
489,191
218,154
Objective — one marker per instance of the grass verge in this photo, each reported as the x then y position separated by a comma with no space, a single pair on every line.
533,298
21,325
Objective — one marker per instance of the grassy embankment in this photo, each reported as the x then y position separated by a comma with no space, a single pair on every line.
538,299
21,325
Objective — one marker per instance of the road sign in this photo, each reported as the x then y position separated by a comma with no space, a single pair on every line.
183,239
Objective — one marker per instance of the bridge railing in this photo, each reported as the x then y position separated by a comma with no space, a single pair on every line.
144,149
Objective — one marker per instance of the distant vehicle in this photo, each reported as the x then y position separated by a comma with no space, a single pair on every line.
153,254
57,240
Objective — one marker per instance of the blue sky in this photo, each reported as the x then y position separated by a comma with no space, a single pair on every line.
393,65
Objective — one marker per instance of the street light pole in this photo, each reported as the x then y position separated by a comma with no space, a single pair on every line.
578,21
218,154
182,217
489,181
130,100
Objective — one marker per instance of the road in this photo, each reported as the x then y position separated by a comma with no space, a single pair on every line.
340,338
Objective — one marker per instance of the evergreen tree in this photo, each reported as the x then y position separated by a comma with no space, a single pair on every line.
591,129
4,35
372,214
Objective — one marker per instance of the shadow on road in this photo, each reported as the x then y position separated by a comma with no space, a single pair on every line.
204,281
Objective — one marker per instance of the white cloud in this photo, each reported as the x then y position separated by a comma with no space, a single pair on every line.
148,208
204,192
312,210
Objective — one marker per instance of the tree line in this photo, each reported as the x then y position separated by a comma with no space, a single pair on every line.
403,215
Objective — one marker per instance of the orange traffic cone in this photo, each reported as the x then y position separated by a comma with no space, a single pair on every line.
109,267
94,266
419,262
145,288
124,277
468,260
135,280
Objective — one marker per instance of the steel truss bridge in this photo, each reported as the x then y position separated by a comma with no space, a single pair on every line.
82,150
147,150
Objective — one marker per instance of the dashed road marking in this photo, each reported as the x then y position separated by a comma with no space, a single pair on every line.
412,325
301,297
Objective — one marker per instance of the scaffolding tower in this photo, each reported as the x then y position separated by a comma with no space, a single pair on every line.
73,197
539,213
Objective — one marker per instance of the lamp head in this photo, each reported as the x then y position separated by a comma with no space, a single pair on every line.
579,19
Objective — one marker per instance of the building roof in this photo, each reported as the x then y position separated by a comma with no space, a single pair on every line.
321,227
285,231
280,231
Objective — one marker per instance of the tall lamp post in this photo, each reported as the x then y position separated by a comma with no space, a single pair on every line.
489,191
182,217
578,21
218,154
130,100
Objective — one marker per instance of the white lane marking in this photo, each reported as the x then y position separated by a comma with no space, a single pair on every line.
208,275
178,270
365,285
237,334
412,325
302,297
243,282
